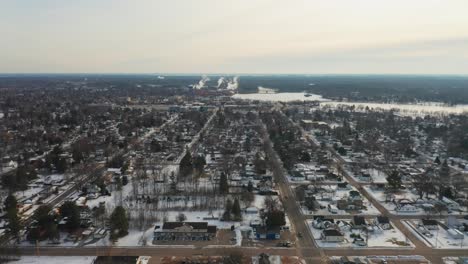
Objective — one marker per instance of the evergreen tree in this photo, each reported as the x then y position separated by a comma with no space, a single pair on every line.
223,184
45,221
10,202
443,179
275,219
77,155
445,171
118,223
185,166
236,210
310,203
250,187
181,217
11,208
227,210
20,179
70,210
199,164
342,151
305,156
61,165
394,180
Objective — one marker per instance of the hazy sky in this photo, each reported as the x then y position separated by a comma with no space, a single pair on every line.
234,36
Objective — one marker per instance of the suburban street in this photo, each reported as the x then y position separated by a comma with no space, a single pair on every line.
304,246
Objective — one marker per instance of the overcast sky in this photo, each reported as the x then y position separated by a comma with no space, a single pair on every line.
234,36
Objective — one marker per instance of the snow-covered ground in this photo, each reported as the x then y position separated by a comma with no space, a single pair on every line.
145,237
439,238
54,260
376,175
279,97
405,194
452,260
380,259
381,197
378,239
336,195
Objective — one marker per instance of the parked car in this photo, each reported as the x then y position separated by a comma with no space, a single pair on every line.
284,244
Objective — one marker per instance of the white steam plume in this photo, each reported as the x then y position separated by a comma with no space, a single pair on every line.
201,83
220,82
233,84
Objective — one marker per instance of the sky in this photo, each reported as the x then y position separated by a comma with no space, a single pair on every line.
241,36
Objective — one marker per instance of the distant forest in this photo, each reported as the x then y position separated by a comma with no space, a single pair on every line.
376,88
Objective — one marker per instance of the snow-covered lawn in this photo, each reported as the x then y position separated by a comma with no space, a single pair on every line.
380,196
145,237
377,176
439,238
64,241
54,260
405,194
337,194
392,238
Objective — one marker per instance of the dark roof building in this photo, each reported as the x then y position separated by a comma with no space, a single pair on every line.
184,231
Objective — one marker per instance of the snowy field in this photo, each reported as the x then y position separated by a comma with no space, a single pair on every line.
279,97
404,109
439,238
144,237
392,238
420,109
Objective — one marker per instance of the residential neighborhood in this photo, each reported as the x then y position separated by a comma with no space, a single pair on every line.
235,179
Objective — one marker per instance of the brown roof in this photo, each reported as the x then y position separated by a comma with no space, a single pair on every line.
332,232
194,225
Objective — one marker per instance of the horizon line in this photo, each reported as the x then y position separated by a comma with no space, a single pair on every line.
236,74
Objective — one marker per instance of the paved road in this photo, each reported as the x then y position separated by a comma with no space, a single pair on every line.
305,247
434,255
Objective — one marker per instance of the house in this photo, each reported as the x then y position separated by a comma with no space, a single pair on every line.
332,235
346,260
365,177
184,231
343,186
378,186
359,222
451,204
323,223
353,202
266,259
430,224
332,209
92,191
262,232
406,208
251,210
383,222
